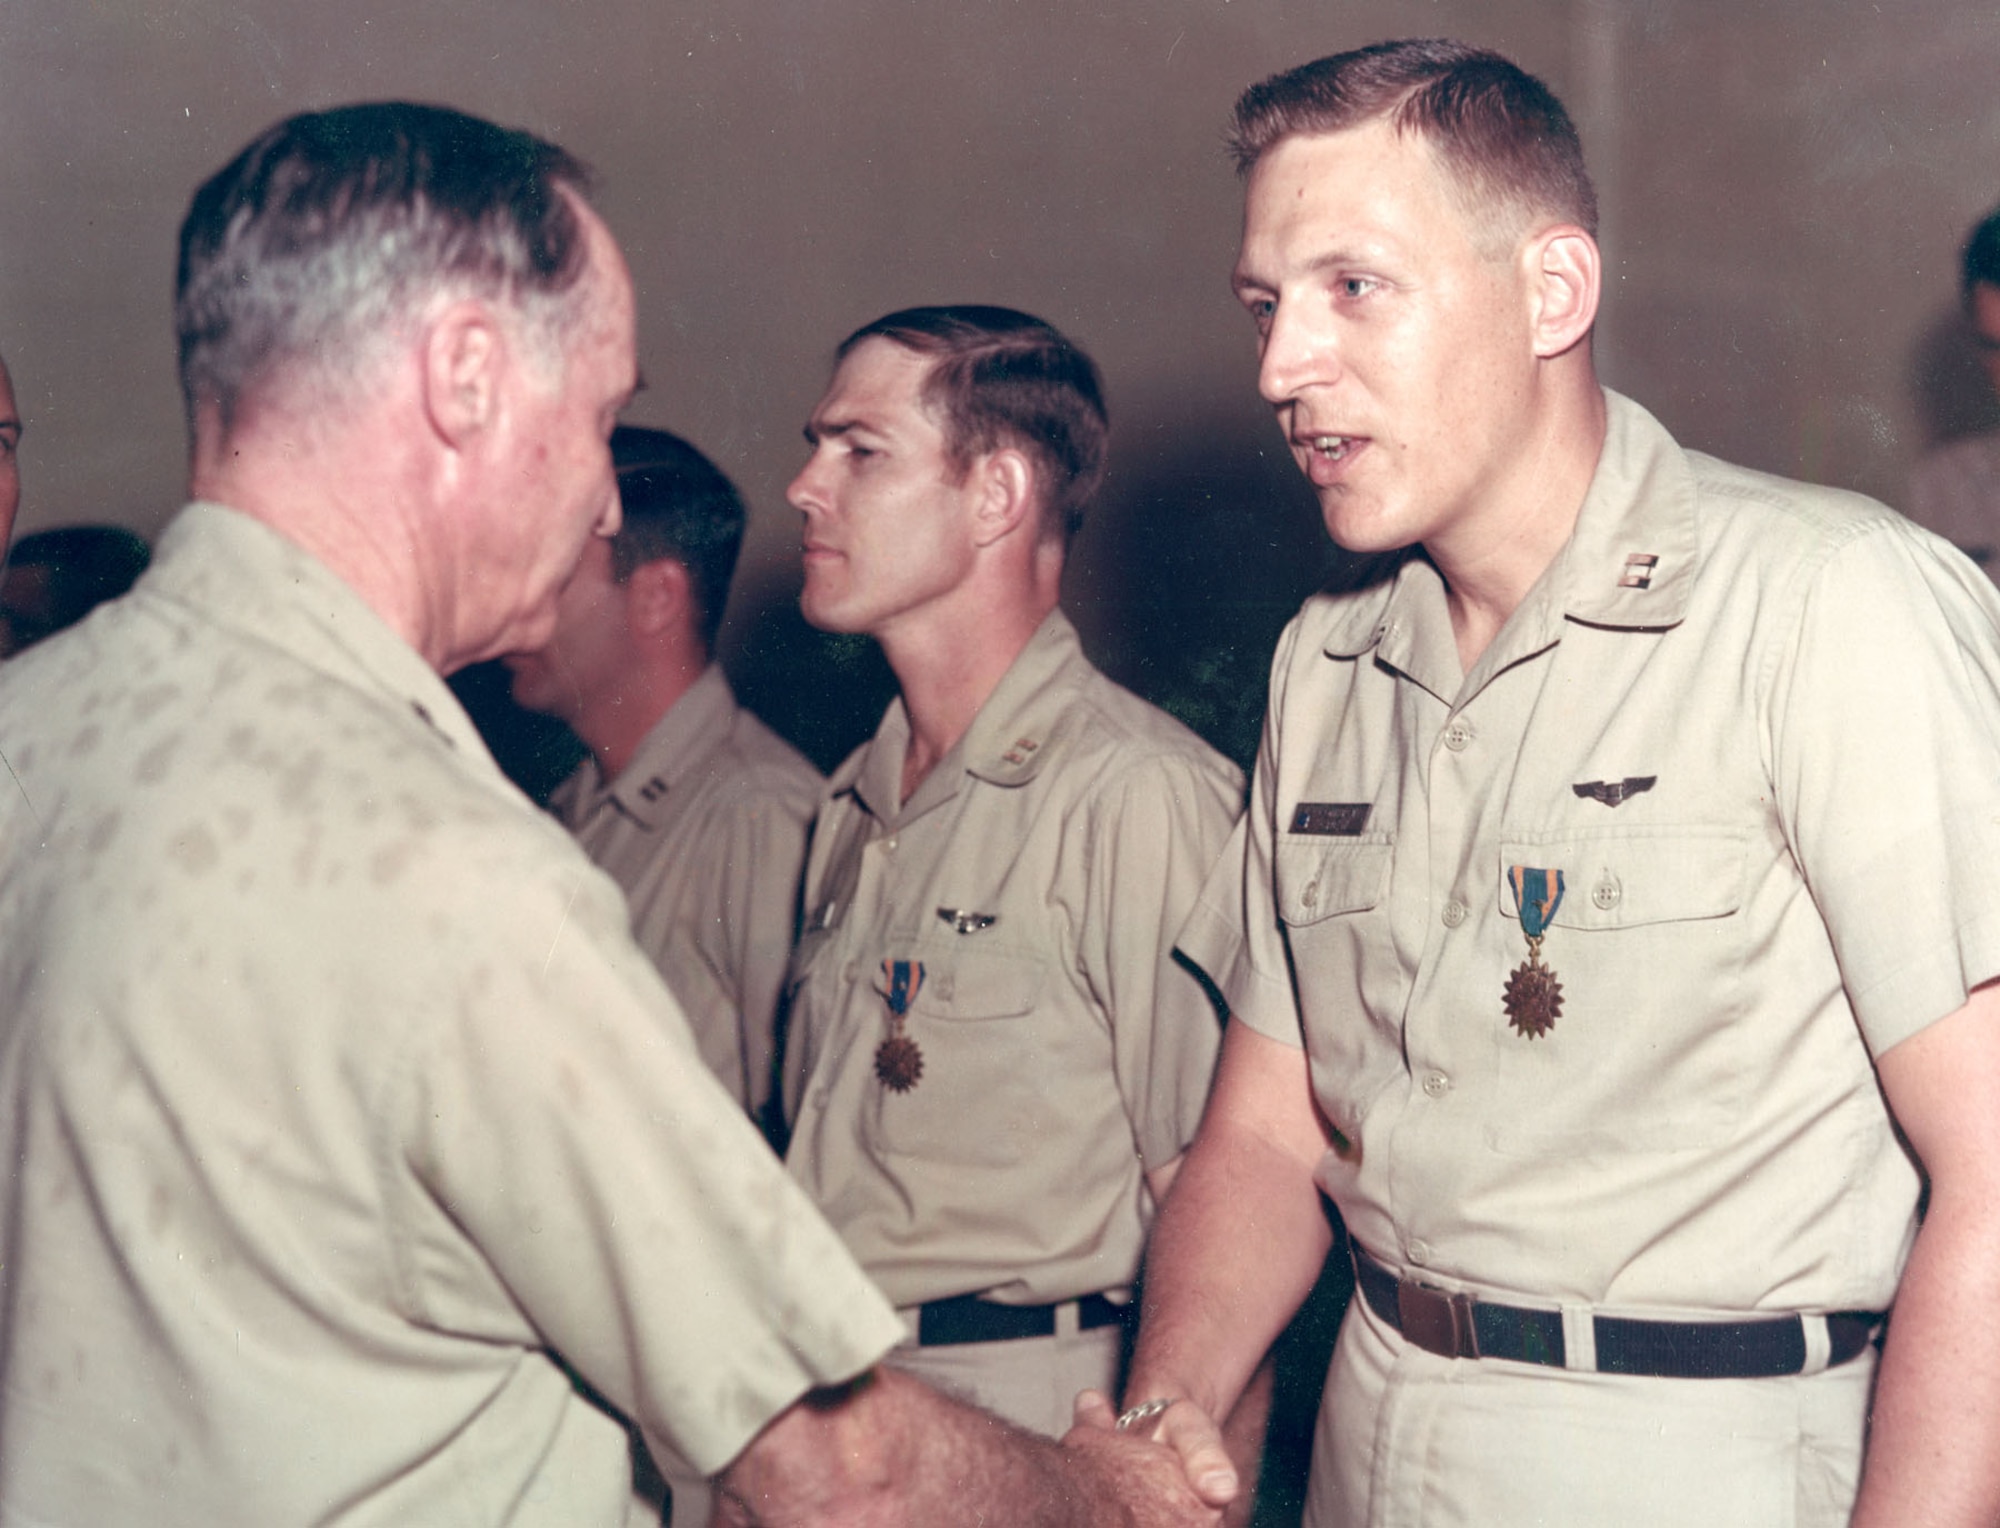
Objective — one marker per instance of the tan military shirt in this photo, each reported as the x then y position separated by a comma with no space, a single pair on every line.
1037,875
705,829
338,1100
1753,724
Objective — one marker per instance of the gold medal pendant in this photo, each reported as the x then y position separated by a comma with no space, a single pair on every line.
899,1063
1534,997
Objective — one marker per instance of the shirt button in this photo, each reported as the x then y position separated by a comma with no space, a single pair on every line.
1436,1084
1310,896
1454,913
821,1098
851,971
1607,893
1420,1253
889,844
1458,734
942,987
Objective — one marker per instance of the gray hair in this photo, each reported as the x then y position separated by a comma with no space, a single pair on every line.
335,228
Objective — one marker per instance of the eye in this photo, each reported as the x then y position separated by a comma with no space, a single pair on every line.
1356,286
1261,311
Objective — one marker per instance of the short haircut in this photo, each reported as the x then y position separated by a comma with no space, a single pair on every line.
1002,377
677,504
334,228
1501,133
1981,259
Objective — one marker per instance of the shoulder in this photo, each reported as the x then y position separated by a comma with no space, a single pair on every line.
1118,738
1791,540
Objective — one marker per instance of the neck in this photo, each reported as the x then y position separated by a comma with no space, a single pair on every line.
1491,560
343,505
947,672
614,726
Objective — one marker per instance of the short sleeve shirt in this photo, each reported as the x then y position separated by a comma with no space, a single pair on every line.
1029,889
1752,724
342,1114
705,832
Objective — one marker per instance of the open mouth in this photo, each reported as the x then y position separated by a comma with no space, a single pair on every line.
1332,448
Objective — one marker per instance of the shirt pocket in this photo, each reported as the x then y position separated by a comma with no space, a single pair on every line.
979,1100
1333,900
1650,946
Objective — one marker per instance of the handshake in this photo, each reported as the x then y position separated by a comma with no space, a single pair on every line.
888,1450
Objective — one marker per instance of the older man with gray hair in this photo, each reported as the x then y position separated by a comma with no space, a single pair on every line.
347,1128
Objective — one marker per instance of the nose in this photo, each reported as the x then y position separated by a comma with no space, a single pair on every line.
1295,354
806,492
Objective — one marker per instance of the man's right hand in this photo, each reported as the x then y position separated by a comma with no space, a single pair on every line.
1183,1434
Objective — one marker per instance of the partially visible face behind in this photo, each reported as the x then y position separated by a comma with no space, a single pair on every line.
1396,355
584,664
1985,313
887,531
10,469
560,489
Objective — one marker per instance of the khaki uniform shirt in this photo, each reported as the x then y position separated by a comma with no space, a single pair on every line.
337,1100
1753,724
705,829
1955,491
1038,875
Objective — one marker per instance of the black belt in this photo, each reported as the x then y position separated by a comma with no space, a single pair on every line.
967,1318
1460,1326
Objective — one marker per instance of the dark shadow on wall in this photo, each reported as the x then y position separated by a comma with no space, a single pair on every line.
536,752
1953,397
1200,550
821,692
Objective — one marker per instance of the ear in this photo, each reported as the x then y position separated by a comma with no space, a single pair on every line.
1007,500
659,597
1564,272
464,355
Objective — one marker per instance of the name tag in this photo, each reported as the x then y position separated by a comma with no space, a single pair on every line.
1331,819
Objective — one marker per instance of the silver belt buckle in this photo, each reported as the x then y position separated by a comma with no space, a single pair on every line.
1437,1320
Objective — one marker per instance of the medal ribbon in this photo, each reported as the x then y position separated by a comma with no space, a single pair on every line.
1537,895
904,977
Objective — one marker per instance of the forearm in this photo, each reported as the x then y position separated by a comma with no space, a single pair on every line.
1241,1238
1235,1252
1934,1439
890,1451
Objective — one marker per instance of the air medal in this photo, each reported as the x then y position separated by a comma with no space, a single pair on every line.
1534,997
898,1062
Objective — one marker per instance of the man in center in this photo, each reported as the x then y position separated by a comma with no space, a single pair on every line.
994,1061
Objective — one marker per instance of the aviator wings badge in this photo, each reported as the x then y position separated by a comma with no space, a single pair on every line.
963,922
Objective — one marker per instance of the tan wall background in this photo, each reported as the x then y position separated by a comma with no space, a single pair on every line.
1785,185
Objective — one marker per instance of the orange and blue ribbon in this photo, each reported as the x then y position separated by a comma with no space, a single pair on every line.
1537,895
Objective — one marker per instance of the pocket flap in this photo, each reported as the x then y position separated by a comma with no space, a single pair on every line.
1316,879
976,985
1668,876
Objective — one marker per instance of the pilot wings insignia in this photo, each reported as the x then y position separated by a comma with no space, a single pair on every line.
1611,792
967,923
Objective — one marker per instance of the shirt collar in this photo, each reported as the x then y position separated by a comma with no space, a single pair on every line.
1011,738
1630,564
693,727
247,577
